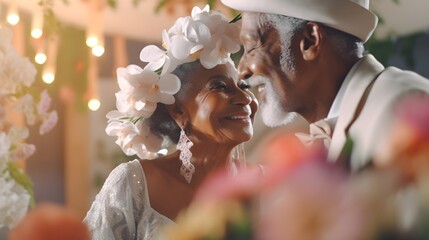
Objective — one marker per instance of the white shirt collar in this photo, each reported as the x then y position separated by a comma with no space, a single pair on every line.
334,112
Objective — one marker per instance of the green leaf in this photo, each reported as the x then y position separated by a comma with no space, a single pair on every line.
346,152
136,2
381,49
112,3
240,229
409,44
211,3
236,18
159,71
160,5
135,120
380,18
22,179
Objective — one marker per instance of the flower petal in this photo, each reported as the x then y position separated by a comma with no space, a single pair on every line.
169,83
180,47
151,53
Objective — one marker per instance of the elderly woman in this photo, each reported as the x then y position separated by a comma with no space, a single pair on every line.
190,95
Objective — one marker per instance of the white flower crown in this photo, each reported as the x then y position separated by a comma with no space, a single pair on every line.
206,36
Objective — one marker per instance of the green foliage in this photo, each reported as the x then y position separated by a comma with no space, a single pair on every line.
160,5
211,3
385,49
382,49
136,2
241,229
73,63
52,25
112,3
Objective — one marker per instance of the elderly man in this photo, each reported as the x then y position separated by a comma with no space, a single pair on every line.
307,58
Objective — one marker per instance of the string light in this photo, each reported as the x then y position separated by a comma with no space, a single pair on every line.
94,31
93,74
12,15
48,77
91,41
37,24
94,104
40,58
98,50
49,69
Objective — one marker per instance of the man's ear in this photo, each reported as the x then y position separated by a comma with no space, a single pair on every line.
178,115
310,44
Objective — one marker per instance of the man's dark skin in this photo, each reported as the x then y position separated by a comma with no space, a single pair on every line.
320,71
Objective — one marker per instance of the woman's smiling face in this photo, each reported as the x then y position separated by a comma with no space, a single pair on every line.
219,107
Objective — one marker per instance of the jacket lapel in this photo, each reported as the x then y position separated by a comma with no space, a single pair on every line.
366,72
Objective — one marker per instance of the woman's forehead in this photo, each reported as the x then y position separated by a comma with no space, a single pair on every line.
227,71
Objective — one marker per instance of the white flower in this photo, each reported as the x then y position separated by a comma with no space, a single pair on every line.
187,37
142,89
157,58
16,135
26,105
125,131
134,139
196,11
152,142
5,145
17,74
224,37
14,201
15,71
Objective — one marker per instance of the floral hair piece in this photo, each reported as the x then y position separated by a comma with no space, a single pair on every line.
206,36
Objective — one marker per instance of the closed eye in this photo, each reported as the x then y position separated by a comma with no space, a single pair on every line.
217,86
251,49
243,85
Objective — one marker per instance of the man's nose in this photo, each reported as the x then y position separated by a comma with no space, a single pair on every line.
243,68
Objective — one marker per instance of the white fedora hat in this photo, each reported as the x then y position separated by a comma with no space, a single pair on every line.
350,16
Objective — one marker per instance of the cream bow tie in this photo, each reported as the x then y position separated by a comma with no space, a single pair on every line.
320,130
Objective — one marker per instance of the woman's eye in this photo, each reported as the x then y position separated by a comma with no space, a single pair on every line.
244,85
218,86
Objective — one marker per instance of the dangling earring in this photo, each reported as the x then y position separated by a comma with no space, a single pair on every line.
187,169
237,154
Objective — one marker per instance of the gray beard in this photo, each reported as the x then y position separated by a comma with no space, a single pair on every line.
271,109
272,112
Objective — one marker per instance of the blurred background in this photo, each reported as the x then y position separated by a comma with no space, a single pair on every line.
77,45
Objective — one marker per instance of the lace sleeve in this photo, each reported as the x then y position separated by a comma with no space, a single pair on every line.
114,211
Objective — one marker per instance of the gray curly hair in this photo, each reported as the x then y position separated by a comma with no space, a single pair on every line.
346,45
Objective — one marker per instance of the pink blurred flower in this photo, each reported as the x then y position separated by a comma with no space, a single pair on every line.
48,123
222,185
406,145
23,151
44,103
414,111
310,203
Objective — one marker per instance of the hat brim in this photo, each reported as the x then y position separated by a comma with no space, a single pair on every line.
343,15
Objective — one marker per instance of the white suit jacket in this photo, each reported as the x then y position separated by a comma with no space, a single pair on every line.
366,108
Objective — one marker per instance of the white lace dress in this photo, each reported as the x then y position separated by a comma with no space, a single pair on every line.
122,209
